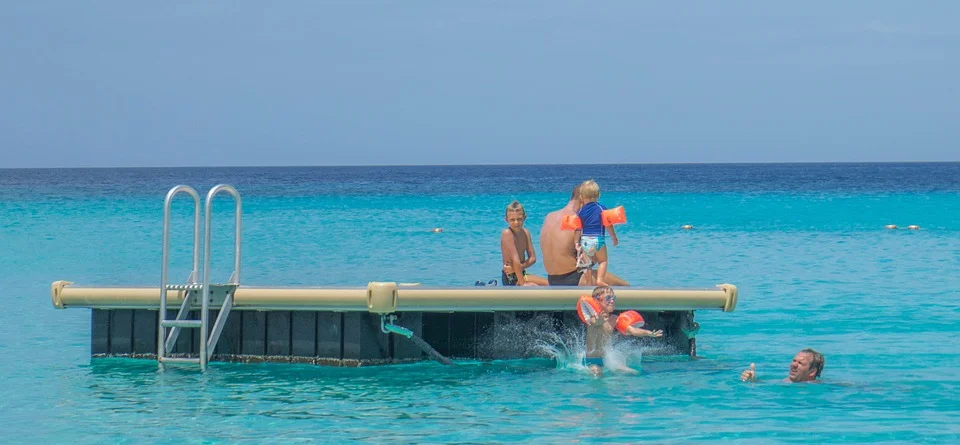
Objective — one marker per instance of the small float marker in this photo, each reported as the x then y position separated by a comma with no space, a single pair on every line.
913,227
890,226
437,230
687,227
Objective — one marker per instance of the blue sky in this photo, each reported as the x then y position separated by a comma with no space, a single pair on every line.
111,83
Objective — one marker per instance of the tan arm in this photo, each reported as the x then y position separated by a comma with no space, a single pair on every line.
508,247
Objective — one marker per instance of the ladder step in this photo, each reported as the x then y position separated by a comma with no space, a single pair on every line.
184,286
186,361
181,323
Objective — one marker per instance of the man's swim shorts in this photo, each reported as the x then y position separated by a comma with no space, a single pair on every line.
567,279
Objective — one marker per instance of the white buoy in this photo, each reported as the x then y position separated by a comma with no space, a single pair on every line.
890,226
687,227
913,227
437,230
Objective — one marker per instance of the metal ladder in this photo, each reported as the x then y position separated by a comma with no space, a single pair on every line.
197,286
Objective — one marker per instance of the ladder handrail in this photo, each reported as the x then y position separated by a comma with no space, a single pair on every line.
234,277
165,253
208,215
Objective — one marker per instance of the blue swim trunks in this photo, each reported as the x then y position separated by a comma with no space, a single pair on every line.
589,245
596,361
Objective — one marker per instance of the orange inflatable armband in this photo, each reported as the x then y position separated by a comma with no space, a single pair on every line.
613,216
629,318
587,308
571,222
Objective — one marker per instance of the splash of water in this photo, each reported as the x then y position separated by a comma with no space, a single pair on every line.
567,347
544,336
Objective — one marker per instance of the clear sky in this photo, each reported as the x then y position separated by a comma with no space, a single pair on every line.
198,83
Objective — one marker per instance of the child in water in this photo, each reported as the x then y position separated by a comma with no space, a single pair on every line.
593,235
516,248
600,331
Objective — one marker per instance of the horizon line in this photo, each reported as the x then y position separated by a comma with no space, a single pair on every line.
485,165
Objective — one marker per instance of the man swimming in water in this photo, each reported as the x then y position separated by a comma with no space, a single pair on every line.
805,367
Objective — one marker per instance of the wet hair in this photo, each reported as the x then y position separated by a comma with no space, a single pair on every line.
600,291
515,206
590,189
575,195
816,360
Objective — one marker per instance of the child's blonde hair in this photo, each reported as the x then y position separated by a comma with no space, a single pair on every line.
515,206
602,291
590,190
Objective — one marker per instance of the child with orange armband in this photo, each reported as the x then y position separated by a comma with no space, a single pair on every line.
593,235
596,311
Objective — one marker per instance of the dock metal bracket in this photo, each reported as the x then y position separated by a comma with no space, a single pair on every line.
388,327
688,327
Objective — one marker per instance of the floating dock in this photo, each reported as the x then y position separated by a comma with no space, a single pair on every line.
381,323
342,326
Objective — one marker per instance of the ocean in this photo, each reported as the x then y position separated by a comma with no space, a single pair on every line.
805,243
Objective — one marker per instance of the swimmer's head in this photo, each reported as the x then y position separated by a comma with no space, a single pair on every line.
589,191
806,366
816,360
606,297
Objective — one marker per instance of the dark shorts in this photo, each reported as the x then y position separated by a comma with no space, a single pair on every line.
594,361
567,279
510,279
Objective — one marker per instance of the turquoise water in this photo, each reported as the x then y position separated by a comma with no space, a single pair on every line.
805,244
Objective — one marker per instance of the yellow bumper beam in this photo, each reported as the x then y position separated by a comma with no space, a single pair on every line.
387,297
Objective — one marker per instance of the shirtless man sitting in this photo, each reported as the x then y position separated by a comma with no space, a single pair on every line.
559,248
